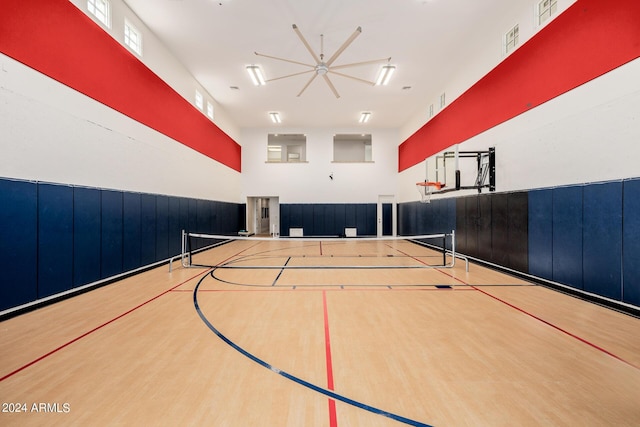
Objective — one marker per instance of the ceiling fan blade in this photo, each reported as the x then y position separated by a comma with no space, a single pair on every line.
346,44
285,60
290,75
354,78
355,64
304,41
307,85
333,88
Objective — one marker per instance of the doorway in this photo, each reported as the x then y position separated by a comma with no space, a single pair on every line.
263,216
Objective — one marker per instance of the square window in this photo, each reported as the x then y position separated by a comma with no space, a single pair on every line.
132,37
546,8
101,9
199,100
511,39
353,148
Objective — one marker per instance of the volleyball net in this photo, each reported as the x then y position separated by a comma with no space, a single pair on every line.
308,253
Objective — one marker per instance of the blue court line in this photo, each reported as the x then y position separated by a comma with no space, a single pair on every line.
280,274
293,378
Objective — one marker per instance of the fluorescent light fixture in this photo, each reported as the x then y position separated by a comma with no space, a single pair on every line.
364,117
275,117
256,75
385,74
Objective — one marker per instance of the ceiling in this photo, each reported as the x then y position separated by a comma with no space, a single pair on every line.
429,41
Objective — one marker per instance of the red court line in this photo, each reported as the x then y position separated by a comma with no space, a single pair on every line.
333,420
556,327
33,362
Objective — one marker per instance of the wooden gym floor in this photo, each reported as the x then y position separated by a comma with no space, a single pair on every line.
320,347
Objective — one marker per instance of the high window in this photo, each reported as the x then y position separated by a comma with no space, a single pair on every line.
132,37
511,39
101,9
546,8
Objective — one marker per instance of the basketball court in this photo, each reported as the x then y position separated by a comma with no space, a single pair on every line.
334,332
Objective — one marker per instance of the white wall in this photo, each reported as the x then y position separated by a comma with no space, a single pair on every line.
309,182
49,132
589,134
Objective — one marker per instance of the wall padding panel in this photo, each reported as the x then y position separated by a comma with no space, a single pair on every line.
148,228
541,233
132,230
19,242
631,242
602,246
162,228
55,239
86,235
112,233
567,236
518,231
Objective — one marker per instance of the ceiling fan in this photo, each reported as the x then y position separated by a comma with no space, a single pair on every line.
322,67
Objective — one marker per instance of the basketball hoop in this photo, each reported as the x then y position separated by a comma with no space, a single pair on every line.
425,188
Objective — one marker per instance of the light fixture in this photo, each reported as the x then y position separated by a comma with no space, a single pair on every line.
385,74
275,117
364,117
256,75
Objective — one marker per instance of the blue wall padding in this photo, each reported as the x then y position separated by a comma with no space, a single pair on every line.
541,233
328,219
55,239
86,235
602,241
148,229
162,227
132,231
112,233
631,242
18,244
567,236
175,228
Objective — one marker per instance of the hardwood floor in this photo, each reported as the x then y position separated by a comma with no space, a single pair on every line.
321,347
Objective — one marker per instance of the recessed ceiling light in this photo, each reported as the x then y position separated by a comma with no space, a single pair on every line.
364,117
275,117
256,75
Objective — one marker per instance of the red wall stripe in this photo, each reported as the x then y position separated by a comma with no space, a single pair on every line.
57,39
589,39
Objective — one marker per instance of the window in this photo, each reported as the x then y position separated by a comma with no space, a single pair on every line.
511,39
101,10
352,148
286,148
546,8
210,110
443,100
132,37
199,100
430,110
